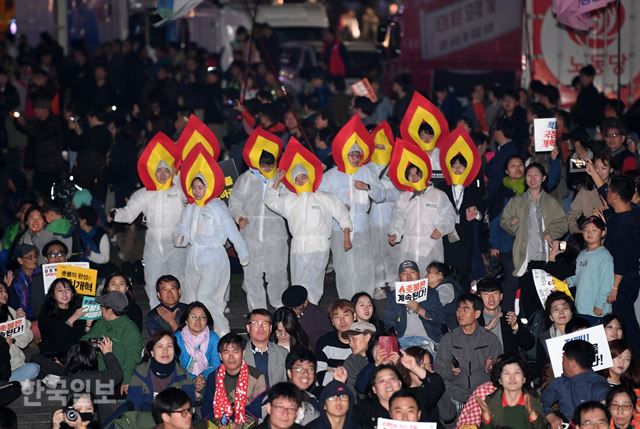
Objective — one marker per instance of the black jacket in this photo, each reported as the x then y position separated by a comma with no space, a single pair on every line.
513,342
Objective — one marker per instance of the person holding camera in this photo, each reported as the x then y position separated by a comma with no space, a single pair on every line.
79,413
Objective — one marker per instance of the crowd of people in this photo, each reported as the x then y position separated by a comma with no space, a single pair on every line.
472,354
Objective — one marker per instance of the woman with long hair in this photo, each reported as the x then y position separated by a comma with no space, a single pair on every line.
588,199
623,371
366,310
286,330
84,411
613,327
120,282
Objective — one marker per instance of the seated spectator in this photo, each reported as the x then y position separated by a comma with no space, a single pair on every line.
61,227
83,405
466,354
301,371
22,292
471,413
9,390
61,326
159,371
314,321
332,349
286,330
511,331
94,242
166,316
222,400
36,233
613,327
172,409
365,310
385,381
416,324
403,407
359,336
441,277
621,402
20,371
114,324
559,309
120,282
591,414
622,372
81,365
269,358
8,418
198,344
577,384
377,356
512,404
427,386
283,401
337,402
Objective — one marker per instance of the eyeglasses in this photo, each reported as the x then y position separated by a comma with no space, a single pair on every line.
196,318
56,255
282,409
623,407
186,412
599,424
341,398
259,323
302,369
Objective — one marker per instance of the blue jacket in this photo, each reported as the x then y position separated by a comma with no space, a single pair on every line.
212,354
496,167
141,393
569,392
396,315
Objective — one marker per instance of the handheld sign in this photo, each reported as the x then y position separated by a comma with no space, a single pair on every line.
411,291
13,328
50,272
544,134
92,308
595,335
397,424
546,284
84,280
363,88
230,172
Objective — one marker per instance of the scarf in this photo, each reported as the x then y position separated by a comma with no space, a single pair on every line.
197,346
515,185
222,408
162,370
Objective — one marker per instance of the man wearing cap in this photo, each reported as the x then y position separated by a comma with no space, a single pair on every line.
265,234
126,338
416,324
309,216
510,330
314,320
336,401
162,211
356,191
359,334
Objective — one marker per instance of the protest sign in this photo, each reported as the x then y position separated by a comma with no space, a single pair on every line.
544,134
546,284
13,328
92,308
228,167
397,424
363,88
595,335
411,291
50,272
84,280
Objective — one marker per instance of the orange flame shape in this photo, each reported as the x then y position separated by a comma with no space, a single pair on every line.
422,110
383,144
353,132
455,143
405,154
197,133
297,155
200,163
160,148
261,140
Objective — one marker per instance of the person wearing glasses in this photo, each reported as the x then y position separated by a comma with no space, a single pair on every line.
268,357
301,371
337,402
198,344
591,415
614,133
621,402
283,401
172,409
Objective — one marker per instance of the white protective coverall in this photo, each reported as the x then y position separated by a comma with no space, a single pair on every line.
162,211
384,255
266,237
206,229
354,272
413,220
309,216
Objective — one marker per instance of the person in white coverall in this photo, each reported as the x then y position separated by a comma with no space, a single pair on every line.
266,236
162,211
419,222
384,255
354,272
309,216
205,230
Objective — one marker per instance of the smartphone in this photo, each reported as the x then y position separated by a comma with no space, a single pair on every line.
16,115
454,362
389,344
577,165
562,246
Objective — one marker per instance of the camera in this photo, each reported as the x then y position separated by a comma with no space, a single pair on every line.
71,414
95,342
578,164
562,246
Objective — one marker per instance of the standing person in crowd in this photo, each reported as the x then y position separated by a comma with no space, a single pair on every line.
334,55
615,135
162,210
535,218
264,232
313,320
166,316
466,354
198,344
443,279
95,242
309,215
205,227
505,150
623,236
268,357
287,331
120,282
588,199
588,108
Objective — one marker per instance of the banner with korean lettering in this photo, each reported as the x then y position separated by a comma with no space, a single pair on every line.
397,424
50,272
544,134
91,308
411,291
84,280
546,284
594,335
13,328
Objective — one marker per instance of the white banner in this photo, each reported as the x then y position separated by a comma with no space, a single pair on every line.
50,272
544,134
13,328
594,335
411,291
397,424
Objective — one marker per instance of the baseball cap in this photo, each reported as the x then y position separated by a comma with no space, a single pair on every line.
335,388
117,301
294,296
408,264
359,328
